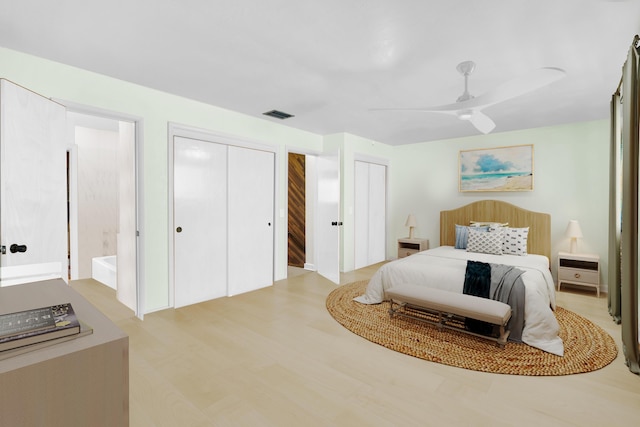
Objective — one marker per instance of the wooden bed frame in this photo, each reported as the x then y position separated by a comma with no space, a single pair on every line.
539,241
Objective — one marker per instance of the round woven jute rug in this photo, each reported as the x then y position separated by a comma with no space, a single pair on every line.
587,347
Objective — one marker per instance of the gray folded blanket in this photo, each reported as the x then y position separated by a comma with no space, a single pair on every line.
507,286
501,283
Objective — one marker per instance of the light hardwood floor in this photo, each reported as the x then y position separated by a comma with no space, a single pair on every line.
275,357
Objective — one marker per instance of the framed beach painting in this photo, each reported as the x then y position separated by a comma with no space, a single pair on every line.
496,169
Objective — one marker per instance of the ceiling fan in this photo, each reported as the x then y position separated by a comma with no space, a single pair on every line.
469,108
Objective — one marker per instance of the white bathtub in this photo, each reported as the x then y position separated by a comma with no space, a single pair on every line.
103,269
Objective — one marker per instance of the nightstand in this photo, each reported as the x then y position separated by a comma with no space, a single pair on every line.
579,269
407,246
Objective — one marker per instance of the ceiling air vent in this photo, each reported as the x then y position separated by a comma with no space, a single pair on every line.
278,114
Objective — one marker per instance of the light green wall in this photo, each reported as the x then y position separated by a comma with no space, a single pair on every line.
571,166
571,181
157,109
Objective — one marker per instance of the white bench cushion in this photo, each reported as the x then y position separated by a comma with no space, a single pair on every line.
487,310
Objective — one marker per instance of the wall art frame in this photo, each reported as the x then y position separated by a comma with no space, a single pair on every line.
496,169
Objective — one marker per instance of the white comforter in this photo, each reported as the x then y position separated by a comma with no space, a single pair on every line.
444,268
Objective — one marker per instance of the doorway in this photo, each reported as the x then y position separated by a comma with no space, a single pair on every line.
320,209
102,203
297,207
302,194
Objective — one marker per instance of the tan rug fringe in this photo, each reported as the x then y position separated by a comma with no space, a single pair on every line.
587,346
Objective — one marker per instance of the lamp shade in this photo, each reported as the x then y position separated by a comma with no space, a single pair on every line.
573,230
574,233
411,221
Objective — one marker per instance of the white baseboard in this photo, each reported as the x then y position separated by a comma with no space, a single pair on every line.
310,267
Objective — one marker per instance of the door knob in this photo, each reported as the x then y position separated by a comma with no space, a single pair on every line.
17,248
179,230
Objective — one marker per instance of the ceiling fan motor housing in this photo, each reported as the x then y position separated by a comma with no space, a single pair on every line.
466,67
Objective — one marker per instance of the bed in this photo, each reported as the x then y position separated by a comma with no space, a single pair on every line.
444,267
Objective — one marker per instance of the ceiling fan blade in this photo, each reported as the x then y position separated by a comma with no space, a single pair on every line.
438,109
446,109
515,87
529,82
482,122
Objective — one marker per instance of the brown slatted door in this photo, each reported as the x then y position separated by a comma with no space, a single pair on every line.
296,251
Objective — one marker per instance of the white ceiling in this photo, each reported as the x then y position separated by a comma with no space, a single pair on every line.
328,62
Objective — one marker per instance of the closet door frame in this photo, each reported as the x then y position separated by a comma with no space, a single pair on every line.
185,131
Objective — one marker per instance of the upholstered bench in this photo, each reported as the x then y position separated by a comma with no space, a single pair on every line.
447,306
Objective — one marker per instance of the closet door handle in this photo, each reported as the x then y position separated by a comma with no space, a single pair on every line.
179,230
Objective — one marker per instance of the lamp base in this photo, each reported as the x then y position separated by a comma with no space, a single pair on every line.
573,246
411,232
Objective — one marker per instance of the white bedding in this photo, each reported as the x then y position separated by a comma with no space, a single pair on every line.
444,268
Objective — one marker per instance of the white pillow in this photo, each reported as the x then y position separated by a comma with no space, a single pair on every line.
515,241
486,242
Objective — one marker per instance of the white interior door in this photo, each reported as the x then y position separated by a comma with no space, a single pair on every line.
33,187
127,224
328,224
251,202
200,219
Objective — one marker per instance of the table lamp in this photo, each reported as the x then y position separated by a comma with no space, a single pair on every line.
574,233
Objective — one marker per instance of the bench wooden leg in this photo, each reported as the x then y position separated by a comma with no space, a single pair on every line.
394,307
397,308
502,339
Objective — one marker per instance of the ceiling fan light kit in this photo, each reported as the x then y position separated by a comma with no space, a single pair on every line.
464,114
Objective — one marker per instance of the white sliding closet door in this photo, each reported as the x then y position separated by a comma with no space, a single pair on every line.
251,199
377,213
361,214
200,220
370,213
33,187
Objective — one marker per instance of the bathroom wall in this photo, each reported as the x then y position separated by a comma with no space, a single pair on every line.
97,195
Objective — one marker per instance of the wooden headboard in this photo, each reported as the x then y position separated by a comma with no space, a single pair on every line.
539,241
